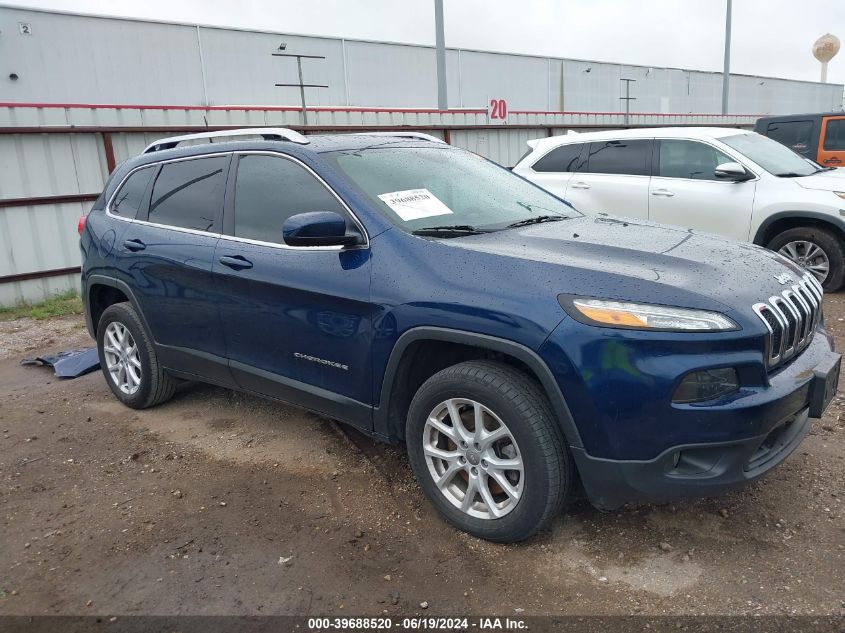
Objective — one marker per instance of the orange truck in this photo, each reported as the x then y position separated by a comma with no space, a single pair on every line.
819,137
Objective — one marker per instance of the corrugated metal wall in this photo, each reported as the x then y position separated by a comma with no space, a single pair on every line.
503,146
61,151
42,237
77,59
68,162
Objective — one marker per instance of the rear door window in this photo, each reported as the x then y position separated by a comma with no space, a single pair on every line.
796,135
626,157
689,159
130,196
189,194
561,159
269,190
834,136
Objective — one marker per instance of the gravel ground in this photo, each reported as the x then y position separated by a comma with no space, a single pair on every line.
220,503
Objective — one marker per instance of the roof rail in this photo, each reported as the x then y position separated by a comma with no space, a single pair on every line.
267,133
420,135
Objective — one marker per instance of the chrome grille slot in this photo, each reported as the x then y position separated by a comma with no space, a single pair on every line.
814,293
791,319
782,307
803,289
774,341
806,314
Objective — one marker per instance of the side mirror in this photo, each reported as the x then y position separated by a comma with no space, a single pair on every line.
318,228
732,171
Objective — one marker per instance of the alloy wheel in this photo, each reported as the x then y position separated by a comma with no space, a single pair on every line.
473,458
122,360
809,255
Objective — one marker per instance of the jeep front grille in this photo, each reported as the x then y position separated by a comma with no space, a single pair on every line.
791,318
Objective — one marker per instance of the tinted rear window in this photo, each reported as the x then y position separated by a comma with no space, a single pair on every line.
796,135
560,159
619,157
189,194
834,136
129,197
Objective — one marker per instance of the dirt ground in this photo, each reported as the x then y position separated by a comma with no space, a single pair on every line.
220,503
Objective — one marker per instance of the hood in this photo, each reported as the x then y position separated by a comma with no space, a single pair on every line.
833,180
629,259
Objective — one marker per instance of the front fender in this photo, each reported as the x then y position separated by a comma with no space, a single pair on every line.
382,424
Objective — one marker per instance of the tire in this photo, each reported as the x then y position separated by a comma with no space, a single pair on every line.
789,243
144,383
534,439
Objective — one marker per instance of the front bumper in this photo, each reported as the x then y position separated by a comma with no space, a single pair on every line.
707,469
694,470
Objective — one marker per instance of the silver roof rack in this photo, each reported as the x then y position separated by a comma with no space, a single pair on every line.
267,133
420,135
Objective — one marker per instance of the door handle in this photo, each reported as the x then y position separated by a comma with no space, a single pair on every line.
236,262
834,159
662,192
134,245
580,185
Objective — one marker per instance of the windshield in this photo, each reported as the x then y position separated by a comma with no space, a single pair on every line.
770,155
419,188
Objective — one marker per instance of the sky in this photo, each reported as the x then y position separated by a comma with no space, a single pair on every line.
770,37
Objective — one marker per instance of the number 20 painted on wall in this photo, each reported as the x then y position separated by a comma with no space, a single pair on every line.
498,109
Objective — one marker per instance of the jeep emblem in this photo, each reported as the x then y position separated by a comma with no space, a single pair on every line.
783,278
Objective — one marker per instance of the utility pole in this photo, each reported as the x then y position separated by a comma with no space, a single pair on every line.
726,72
301,85
627,99
440,39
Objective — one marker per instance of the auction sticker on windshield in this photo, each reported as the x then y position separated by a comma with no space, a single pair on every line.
415,204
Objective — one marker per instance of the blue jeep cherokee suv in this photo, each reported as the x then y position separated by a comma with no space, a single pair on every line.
428,296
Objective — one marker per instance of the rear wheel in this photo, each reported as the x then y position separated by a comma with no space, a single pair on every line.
483,442
128,359
816,250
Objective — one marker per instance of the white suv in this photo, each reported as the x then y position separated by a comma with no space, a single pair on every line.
727,181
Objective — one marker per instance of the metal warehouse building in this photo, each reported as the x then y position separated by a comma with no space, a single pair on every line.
76,59
79,94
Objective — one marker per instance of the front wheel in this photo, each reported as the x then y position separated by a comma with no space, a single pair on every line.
816,250
487,451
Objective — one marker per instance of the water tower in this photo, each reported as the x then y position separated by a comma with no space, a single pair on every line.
825,49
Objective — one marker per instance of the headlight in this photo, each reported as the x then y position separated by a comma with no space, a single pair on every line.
841,194
648,317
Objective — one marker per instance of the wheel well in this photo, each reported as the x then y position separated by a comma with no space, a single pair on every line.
100,297
421,360
794,222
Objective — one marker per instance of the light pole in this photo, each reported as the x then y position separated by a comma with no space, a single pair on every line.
726,73
440,40
627,99
301,85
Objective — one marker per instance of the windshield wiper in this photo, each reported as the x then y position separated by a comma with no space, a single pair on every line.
791,174
461,229
537,220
